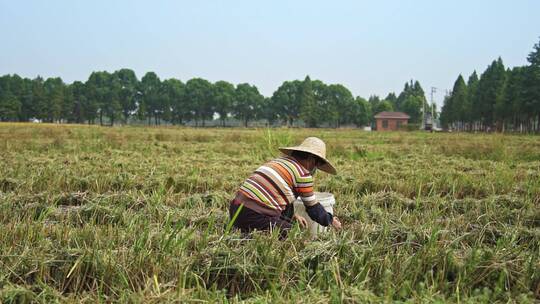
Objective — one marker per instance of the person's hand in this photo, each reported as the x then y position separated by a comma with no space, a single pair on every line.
301,220
336,223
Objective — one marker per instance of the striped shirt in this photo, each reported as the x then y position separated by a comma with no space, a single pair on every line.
278,183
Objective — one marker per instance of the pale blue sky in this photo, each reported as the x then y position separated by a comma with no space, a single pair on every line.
372,47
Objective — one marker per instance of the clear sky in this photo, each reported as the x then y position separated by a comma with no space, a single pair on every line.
372,47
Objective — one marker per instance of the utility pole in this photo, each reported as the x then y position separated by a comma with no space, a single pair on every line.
433,91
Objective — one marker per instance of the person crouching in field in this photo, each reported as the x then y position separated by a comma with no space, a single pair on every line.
265,199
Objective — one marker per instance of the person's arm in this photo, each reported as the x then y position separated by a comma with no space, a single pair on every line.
318,214
314,209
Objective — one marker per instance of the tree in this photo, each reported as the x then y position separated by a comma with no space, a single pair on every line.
374,101
223,99
9,104
21,91
268,111
54,92
9,107
407,90
39,99
127,94
534,56
111,106
503,106
97,87
78,93
308,105
473,111
412,100
248,103
66,114
446,118
199,95
384,106
378,106
174,94
341,103
515,97
490,91
26,98
362,113
392,98
532,87
458,97
286,101
322,102
413,107
150,88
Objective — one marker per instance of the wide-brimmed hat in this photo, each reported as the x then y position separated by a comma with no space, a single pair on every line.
316,147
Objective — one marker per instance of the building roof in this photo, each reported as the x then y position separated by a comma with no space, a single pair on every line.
399,115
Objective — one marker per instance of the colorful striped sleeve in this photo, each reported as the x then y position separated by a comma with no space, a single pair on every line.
304,189
302,183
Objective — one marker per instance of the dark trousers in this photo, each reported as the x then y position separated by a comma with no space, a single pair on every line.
249,220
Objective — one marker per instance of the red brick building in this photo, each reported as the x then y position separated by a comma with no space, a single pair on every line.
391,121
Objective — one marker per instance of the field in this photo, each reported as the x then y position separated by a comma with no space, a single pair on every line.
133,214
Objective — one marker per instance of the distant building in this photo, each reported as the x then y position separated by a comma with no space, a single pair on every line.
391,121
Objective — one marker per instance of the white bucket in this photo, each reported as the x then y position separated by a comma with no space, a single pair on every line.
326,199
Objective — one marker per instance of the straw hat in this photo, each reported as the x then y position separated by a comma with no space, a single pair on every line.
316,147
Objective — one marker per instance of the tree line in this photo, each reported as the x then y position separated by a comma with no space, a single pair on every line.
120,98
500,99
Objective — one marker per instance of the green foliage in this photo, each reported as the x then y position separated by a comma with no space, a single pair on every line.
412,101
501,99
286,101
491,90
173,92
457,104
381,106
54,92
341,103
199,95
98,93
413,107
150,88
9,105
126,91
473,113
309,107
224,99
534,56
248,103
362,112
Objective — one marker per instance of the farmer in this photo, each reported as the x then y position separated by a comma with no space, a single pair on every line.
265,200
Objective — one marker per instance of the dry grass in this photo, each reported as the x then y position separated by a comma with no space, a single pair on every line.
135,214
